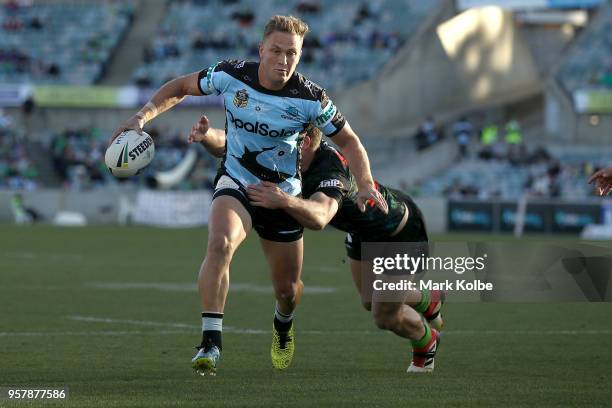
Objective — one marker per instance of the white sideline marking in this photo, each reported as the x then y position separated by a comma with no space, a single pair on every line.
189,327
132,322
230,329
306,332
192,287
35,255
195,329
86,333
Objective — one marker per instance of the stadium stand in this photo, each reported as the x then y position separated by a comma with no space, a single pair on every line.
349,41
504,172
590,63
78,160
59,43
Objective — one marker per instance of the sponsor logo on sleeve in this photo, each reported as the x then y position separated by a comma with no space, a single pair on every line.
334,183
209,74
327,114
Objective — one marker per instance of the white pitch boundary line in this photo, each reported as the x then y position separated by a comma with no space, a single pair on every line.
132,322
190,327
230,329
306,332
87,333
192,287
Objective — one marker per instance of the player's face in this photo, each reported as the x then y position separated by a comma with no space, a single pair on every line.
279,54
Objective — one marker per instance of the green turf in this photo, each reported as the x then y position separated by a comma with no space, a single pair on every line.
49,275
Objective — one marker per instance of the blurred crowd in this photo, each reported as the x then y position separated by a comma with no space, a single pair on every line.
59,43
78,160
351,38
494,161
17,169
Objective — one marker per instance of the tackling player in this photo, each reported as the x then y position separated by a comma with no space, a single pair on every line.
332,199
267,105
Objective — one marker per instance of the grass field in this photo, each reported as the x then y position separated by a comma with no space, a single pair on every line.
113,314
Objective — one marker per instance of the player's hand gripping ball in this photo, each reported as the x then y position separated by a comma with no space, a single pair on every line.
129,153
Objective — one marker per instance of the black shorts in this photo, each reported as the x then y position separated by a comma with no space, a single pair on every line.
273,225
413,231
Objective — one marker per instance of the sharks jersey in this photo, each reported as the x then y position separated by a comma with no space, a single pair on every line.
263,126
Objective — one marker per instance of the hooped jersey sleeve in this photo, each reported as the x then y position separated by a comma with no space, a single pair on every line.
322,112
214,80
327,117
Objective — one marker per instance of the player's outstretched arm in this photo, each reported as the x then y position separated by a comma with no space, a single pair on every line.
212,139
603,181
353,150
167,96
313,213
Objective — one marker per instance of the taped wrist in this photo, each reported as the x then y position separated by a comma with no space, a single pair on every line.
148,112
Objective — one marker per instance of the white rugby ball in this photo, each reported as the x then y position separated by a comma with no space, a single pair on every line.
129,153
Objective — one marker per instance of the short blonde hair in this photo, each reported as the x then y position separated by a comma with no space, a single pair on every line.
286,24
315,135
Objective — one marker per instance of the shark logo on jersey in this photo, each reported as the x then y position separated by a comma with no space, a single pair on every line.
241,99
252,161
291,113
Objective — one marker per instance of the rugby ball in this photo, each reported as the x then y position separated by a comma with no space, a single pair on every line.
129,153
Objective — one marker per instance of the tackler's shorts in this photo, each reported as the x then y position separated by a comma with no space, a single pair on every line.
413,231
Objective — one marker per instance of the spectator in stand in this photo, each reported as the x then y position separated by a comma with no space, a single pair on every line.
489,135
488,139
427,134
429,128
462,131
513,137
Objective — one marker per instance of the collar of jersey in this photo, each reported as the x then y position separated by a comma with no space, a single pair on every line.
284,91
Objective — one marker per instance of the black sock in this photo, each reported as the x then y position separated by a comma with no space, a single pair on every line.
211,330
282,321
211,338
282,327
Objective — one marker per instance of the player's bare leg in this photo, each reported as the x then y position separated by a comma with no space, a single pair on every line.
404,321
428,303
229,224
355,267
398,318
285,261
